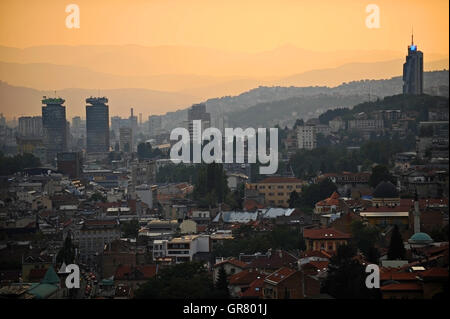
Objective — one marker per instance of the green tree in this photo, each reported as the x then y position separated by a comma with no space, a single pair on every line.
96,197
379,174
67,253
188,280
346,276
364,237
294,200
222,283
396,247
130,229
145,151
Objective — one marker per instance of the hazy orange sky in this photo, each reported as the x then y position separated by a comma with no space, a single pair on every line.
238,25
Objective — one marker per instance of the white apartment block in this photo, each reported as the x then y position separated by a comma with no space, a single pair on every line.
183,249
92,237
306,137
366,125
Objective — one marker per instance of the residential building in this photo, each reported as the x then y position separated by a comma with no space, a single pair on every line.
277,190
327,239
306,137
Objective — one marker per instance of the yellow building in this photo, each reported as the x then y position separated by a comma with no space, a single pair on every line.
327,239
386,216
385,194
277,190
28,144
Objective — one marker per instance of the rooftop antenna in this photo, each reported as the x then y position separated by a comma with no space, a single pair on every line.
412,35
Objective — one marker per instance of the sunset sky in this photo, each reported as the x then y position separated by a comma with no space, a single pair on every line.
237,25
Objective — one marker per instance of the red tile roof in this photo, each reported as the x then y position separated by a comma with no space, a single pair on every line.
387,209
37,274
96,222
280,275
234,262
316,253
255,290
325,233
434,273
333,200
251,204
398,276
245,277
320,265
408,202
147,271
412,286
276,260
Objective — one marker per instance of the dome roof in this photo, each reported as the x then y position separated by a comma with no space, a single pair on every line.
385,190
420,238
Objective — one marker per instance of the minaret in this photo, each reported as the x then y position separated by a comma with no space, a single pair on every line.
416,214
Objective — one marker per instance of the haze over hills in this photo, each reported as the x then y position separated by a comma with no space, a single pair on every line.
157,80
21,100
135,60
17,101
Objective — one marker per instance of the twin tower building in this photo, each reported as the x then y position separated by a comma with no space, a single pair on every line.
55,127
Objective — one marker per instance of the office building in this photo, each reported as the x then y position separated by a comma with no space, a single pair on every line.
126,139
70,164
54,127
97,125
413,70
198,112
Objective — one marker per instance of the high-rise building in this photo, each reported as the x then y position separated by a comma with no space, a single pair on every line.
54,127
306,137
97,125
30,136
133,120
413,70
198,112
154,125
30,126
126,139
70,163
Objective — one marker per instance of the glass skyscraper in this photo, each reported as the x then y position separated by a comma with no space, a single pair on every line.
54,127
97,125
413,71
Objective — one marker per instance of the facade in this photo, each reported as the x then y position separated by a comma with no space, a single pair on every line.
198,112
306,137
126,139
154,125
413,71
54,127
97,125
92,237
285,283
277,190
327,239
366,125
30,126
70,163
183,249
